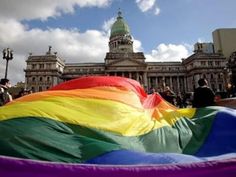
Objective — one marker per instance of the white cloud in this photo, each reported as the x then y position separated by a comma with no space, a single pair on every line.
137,45
31,9
201,40
108,24
169,52
145,5
15,68
189,47
157,11
148,5
71,45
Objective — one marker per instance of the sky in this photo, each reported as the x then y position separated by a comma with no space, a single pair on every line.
78,30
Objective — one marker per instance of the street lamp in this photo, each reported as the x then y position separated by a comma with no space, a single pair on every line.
7,55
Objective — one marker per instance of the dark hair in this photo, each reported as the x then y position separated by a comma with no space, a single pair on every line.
4,81
202,82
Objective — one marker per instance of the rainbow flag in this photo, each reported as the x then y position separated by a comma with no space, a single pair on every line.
108,126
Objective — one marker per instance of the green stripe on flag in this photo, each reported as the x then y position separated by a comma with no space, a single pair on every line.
51,140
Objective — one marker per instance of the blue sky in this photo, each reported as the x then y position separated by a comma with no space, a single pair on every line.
165,30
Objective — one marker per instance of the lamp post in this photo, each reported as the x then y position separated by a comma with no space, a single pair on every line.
7,55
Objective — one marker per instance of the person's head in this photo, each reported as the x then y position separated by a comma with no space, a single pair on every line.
202,82
5,82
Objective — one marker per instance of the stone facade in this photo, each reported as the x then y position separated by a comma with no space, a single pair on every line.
44,71
232,69
205,65
204,47
48,70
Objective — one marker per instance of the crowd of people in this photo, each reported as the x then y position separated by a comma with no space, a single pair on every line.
5,96
202,96
179,100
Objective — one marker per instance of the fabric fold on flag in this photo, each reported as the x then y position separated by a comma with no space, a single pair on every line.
103,120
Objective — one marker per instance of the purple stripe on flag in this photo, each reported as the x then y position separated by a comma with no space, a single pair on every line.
14,167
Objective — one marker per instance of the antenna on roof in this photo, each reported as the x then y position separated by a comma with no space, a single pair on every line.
119,13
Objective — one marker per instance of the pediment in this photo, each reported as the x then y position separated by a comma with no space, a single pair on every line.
127,62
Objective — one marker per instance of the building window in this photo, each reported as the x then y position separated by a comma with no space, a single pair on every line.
41,66
203,63
41,79
220,87
210,63
34,66
48,65
40,88
33,79
48,78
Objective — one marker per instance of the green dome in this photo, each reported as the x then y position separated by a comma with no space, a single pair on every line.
120,27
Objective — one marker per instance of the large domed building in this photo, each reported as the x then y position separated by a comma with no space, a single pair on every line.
120,38
48,70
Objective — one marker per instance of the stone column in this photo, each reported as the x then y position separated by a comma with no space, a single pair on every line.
145,82
216,81
171,84
149,82
137,76
224,83
163,83
178,84
141,81
187,82
156,82
185,85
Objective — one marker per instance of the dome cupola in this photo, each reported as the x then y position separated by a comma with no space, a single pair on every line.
120,27
120,38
